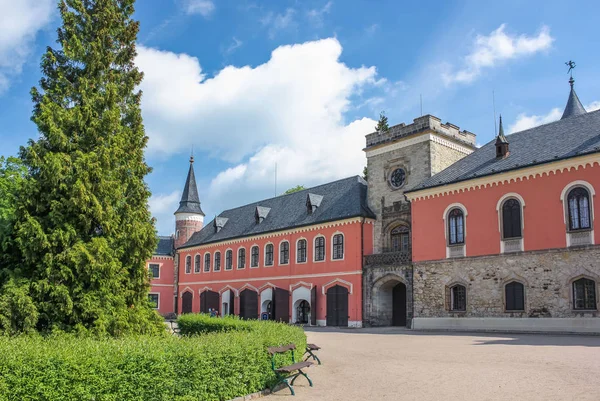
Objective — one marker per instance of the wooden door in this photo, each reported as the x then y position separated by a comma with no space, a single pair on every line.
209,300
281,305
249,304
186,302
399,305
337,306
313,304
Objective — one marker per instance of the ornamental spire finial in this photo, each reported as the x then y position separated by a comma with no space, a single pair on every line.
571,64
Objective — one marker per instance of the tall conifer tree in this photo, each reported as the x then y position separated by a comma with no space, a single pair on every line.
83,227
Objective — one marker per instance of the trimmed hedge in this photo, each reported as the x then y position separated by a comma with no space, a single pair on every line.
194,324
218,366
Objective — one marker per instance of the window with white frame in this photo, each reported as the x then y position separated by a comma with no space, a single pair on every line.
241,258
207,262
153,299
197,264
578,202
338,246
269,255
154,270
254,256
301,251
319,248
511,219
217,261
456,227
284,253
188,264
229,259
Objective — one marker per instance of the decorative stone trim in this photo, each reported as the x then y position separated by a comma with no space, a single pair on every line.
274,234
230,288
163,257
413,140
511,245
290,277
522,174
338,281
248,286
300,284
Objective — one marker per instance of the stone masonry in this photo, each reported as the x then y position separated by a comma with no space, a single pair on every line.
378,281
546,275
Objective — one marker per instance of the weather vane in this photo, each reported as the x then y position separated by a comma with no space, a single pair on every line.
571,65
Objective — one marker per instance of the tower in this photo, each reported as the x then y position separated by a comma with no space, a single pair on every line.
189,217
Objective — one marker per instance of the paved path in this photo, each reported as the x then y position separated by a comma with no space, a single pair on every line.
396,364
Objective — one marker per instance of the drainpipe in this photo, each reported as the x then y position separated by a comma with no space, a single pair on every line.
362,266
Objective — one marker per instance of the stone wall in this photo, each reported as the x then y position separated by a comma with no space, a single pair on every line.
443,156
546,275
378,282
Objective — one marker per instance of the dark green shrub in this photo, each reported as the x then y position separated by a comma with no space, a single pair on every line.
217,366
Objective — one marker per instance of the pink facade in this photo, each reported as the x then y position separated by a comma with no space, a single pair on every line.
544,211
164,284
307,281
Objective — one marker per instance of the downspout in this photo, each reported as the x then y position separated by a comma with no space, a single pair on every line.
362,266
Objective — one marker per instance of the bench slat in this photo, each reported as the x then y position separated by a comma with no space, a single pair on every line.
313,347
282,349
294,367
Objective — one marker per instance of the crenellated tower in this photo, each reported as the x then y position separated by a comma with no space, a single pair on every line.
189,217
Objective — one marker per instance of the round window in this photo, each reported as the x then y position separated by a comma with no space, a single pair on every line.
397,178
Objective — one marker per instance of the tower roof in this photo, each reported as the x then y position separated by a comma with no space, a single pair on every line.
574,106
501,138
190,202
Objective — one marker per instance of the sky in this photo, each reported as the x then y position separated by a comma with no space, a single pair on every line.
274,94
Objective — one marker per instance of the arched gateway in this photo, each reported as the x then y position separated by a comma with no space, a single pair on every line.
389,301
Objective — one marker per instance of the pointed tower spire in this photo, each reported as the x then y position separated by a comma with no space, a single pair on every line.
574,106
189,217
501,142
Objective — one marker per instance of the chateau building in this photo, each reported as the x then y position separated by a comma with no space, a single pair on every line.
445,235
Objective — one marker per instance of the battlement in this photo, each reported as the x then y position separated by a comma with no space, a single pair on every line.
422,124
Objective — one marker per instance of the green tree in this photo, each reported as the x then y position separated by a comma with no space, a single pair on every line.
83,227
382,124
365,174
12,178
297,188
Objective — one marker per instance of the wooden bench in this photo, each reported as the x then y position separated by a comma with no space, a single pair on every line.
310,348
285,373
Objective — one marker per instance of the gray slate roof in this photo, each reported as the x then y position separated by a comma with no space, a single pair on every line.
165,246
190,201
563,139
341,199
574,106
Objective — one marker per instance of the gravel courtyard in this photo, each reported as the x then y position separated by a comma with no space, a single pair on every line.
397,364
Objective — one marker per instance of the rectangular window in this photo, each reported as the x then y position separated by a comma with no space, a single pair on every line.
269,255
154,270
404,239
242,259
319,248
284,253
229,260
254,257
338,246
197,264
153,299
207,262
217,261
301,251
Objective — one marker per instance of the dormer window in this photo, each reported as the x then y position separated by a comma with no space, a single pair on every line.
219,223
261,213
313,201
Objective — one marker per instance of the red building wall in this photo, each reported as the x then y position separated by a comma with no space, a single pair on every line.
164,285
543,215
347,272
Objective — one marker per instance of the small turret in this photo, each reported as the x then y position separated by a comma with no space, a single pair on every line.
189,217
501,143
574,106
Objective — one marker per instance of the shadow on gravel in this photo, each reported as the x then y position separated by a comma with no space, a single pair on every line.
479,338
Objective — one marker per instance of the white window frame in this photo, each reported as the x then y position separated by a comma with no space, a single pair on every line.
215,261
194,264
204,262
446,228
306,256
159,269
238,258
185,264
314,246
158,301
265,255
343,246
258,264
563,198
225,264
279,253
504,198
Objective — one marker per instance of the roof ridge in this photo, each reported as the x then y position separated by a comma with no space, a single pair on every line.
553,122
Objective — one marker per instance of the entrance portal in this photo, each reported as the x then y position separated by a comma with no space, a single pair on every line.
399,305
337,306
186,302
302,312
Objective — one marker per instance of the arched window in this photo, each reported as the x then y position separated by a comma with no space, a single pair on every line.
338,246
284,253
217,261
514,293
254,257
188,264
584,294
241,258
229,259
197,264
269,255
207,262
399,239
301,251
320,248
456,227
458,298
579,209
511,218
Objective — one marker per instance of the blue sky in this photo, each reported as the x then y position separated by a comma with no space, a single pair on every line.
297,84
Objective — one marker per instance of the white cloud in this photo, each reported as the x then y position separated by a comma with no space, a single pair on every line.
233,46
288,111
279,22
162,206
202,7
316,15
525,121
499,46
19,23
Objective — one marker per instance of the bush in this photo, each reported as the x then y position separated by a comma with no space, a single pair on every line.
216,366
193,324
